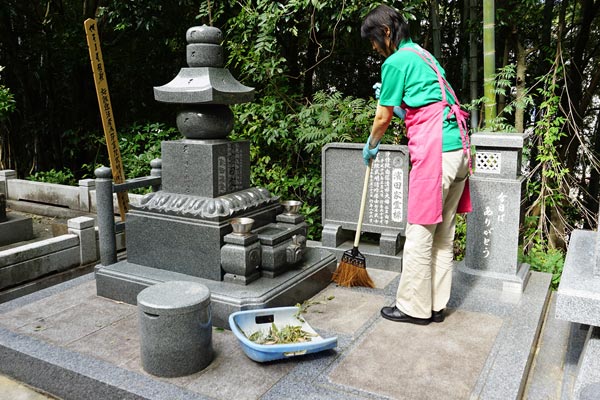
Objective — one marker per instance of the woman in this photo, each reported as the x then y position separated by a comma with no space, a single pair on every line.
440,156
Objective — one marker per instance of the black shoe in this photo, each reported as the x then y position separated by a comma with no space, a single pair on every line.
438,316
393,314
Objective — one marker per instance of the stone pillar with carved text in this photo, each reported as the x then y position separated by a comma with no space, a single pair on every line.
493,226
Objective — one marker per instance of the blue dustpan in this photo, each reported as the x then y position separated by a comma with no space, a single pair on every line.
256,320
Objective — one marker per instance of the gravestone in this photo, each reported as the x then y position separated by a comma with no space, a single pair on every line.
13,228
184,231
493,226
343,174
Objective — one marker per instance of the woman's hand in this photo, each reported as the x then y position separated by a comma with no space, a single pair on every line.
370,150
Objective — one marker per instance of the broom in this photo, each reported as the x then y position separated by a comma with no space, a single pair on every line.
352,270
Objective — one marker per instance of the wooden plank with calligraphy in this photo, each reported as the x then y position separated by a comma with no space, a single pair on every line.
108,123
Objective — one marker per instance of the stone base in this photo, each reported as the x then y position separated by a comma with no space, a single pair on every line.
15,229
124,280
578,293
180,244
372,254
240,279
509,283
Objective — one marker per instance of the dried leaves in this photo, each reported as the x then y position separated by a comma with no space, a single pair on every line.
285,335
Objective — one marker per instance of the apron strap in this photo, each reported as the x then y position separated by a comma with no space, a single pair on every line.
461,115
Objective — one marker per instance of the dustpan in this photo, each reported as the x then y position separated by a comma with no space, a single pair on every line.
244,323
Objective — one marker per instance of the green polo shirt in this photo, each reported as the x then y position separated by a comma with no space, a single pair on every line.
405,77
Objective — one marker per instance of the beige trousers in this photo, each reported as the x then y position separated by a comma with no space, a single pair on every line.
426,278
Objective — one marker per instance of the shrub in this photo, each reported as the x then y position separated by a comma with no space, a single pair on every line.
544,259
63,177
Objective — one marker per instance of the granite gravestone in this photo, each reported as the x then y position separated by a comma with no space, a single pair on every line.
185,230
205,177
493,226
343,173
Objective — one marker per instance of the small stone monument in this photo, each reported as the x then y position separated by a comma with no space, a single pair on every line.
493,226
343,176
13,228
206,223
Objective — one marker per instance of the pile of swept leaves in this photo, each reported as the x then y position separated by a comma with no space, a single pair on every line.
285,335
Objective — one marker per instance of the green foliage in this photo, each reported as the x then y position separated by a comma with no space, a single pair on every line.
460,237
286,142
7,101
140,143
503,84
334,118
544,259
62,177
278,161
547,185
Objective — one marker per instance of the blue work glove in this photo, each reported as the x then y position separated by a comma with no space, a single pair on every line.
377,88
370,152
400,112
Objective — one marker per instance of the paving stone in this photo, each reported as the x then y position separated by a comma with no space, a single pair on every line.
343,310
117,343
46,307
235,375
77,321
405,361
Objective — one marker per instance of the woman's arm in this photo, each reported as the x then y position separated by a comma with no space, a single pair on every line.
383,116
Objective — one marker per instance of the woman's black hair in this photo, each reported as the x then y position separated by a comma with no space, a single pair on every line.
373,27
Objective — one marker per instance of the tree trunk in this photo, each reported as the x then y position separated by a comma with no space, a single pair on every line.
435,29
572,98
489,60
473,46
521,74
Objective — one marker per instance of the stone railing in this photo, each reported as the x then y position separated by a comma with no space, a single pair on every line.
47,258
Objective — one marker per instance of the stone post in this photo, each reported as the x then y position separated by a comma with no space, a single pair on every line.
493,226
106,217
85,187
156,170
84,228
5,175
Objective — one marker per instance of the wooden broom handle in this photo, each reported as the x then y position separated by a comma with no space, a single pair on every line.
363,203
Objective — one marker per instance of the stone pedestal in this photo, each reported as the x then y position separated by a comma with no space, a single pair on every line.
184,243
493,226
241,258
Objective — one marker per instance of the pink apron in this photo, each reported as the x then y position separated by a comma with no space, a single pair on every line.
424,125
